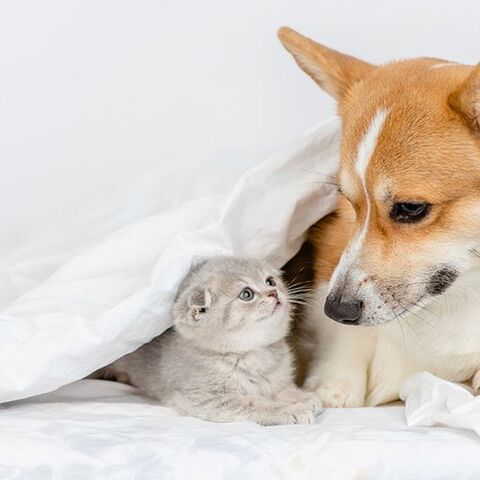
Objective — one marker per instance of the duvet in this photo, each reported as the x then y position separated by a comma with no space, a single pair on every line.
97,287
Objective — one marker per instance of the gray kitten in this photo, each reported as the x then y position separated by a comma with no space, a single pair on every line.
226,357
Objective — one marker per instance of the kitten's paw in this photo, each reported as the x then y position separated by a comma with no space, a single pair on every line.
338,396
299,413
312,400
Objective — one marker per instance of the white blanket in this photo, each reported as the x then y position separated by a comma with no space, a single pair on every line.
433,401
78,297
94,290
100,430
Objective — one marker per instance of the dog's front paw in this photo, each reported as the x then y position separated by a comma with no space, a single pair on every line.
337,392
336,395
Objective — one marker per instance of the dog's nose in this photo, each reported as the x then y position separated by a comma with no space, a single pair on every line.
348,312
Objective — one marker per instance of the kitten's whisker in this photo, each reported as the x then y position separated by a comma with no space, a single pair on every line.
289,284
300,295
306,304
299,286
293,285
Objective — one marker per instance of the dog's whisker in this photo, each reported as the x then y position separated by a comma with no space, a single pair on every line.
423,307
319,174
401,328
407,309
333,184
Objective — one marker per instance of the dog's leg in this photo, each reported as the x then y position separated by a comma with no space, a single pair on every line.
338,373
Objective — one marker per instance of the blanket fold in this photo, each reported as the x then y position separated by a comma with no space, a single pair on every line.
91,302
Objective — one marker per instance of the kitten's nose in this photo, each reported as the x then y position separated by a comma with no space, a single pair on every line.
348,312
273,293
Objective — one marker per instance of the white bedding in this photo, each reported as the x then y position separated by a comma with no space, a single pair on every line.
94,290
102,430
82,295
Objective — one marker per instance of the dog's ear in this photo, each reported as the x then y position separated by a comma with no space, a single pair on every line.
199,301
335,72
466,100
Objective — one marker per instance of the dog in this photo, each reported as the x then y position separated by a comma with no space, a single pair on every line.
397,265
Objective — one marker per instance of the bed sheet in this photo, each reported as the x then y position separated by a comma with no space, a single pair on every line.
95,429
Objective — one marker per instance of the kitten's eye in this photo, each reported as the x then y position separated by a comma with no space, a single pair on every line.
409,212
246,294
270,282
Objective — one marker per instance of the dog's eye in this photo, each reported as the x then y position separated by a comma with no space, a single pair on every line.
270,282
246,294
409,212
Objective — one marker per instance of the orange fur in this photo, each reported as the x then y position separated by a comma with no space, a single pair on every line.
410,136
425,152
329,238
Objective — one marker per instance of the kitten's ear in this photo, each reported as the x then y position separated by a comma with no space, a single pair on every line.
199,301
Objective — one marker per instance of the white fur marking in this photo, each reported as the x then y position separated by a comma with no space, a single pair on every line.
368,144
365,151
366,148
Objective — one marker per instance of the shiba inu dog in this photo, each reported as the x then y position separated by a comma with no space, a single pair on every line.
397,266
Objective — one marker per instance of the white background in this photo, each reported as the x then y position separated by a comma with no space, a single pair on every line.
93,93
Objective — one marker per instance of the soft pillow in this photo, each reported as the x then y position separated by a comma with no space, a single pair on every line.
82,296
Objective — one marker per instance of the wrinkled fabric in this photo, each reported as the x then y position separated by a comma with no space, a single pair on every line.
81,296
95,429
431,401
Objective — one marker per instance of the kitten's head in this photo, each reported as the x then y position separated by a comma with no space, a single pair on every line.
231,304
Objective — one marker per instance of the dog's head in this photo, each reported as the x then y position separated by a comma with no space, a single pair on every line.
410,167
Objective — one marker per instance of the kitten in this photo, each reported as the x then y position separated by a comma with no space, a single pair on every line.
226,357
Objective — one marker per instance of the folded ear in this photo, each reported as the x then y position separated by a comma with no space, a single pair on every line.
199,301
466,100
335,72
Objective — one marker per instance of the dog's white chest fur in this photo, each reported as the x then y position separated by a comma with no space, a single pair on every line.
356,366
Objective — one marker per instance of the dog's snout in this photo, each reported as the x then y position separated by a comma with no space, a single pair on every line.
348,311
